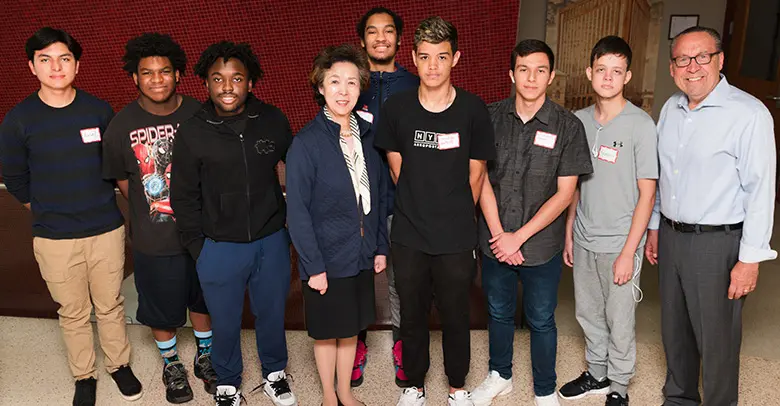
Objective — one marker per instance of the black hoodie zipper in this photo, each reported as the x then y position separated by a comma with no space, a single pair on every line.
248,200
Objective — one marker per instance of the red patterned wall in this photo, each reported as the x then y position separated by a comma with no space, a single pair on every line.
286,35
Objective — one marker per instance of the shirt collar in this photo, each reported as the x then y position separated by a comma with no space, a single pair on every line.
543,115
717,97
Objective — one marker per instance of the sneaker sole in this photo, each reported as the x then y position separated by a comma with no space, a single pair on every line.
602,391
504,392
357,382
176,401
279,404
132,398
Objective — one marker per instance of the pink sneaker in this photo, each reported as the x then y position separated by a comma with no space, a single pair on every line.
400,376
359,367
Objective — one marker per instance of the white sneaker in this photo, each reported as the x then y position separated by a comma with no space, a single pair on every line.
494,385
278,389
549,400
228,396
460,398
411,397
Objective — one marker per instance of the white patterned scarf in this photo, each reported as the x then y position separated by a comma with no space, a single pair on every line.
355,161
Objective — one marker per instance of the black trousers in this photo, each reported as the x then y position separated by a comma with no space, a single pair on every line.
701,326
444,279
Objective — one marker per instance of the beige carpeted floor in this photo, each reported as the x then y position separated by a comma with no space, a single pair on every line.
33,370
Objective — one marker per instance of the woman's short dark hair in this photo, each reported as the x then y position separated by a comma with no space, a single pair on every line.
153,44
47,36
227,50
333,54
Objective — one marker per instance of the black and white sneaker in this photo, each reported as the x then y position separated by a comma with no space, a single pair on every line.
129,386
177,388
228,396
614,399
583,386
85,392
278,389
205,372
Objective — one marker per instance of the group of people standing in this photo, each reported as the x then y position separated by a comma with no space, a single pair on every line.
457,181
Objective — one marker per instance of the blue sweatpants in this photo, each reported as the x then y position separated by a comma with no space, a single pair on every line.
226,270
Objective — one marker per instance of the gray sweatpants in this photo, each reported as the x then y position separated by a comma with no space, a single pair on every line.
606,313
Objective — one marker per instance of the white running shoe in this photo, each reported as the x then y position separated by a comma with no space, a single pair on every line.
494,385
278,389
459,398
411,397
549,400
228,395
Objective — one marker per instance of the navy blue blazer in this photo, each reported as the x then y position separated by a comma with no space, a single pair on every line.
323,215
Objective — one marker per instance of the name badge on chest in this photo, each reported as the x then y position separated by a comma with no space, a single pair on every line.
89,135
449,141
546,140
608,154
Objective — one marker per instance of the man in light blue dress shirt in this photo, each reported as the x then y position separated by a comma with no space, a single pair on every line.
712,221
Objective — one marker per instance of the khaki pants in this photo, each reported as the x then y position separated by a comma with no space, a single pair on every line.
75,271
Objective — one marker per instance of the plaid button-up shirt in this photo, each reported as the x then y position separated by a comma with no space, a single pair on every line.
531,157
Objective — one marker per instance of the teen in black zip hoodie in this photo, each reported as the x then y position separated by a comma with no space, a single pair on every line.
231,213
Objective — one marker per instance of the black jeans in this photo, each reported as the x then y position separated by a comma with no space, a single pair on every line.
446,279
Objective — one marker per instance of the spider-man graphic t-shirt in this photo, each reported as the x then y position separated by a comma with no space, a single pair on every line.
138,147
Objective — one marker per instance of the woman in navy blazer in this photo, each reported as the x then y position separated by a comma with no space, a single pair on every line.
335,215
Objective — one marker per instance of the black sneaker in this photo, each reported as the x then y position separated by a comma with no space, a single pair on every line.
614,399
129,386
177,388
205,372
585,385
85,392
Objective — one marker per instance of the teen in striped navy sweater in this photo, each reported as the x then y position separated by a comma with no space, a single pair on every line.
50,150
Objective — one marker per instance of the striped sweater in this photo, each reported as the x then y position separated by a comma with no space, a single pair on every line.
51,158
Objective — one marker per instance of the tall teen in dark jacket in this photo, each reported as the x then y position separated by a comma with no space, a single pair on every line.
230,211
336,216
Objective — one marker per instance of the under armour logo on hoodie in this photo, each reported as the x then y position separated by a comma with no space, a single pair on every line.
617,144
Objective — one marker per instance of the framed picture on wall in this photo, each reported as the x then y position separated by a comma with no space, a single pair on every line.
681,22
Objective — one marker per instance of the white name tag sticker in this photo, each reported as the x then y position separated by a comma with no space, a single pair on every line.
89,135
365,116
608,154
546,140
449,141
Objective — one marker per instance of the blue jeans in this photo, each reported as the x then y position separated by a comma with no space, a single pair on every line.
226,270
540,298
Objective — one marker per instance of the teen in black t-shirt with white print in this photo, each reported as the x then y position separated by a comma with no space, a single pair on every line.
137,153
438,140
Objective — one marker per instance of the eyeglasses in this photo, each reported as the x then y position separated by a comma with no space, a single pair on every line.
701,59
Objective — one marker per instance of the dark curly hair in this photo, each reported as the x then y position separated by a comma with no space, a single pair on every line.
333,54
153,44
397,21
227,50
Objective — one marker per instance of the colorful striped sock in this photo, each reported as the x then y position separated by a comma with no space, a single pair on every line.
168,350
203,338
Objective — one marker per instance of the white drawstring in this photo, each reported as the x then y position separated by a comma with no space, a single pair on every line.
636,291
595,150
634,286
